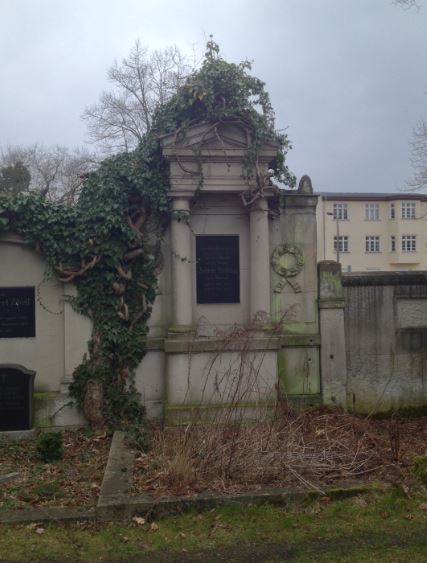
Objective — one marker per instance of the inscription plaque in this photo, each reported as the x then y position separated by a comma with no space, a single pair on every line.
16,397
217,269
17,312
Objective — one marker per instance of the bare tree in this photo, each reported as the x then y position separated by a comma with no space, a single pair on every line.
419,158
141,82
57,173
407,3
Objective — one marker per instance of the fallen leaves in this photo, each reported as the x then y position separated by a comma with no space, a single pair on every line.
77,477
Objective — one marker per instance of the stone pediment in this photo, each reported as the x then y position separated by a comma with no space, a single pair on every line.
206,136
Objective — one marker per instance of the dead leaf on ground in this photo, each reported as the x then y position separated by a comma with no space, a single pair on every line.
139,520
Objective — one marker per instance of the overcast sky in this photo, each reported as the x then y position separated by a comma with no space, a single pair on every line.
347,78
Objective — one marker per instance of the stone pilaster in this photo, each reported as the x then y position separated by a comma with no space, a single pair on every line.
259,260
182,278
332,333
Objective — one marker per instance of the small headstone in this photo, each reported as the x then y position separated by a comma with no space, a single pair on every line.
16,397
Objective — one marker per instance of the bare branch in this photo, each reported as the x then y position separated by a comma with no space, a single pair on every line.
407,4
419,158
140,83
56,172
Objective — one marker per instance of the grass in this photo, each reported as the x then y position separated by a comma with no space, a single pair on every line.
376,527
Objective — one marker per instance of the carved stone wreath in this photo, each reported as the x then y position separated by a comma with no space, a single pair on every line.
287,261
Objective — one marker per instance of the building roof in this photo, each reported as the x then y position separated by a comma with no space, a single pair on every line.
370,196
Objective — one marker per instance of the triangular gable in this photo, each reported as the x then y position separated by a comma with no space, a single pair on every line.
208,136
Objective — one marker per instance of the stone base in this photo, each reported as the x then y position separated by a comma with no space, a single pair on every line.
53,410
18,435
176,415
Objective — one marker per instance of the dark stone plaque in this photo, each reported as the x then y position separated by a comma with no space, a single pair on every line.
16,397
17,312
217,269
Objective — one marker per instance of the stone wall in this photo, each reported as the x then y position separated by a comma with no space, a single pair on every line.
386,336
60,334
381,364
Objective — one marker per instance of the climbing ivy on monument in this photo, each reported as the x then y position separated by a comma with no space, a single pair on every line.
109,243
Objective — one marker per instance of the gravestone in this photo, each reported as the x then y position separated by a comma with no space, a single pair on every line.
217,269
17,312
16,397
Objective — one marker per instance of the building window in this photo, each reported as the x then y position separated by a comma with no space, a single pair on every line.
408,210
392,211
392,243
343,244
372,212
340,211
409,243
372,243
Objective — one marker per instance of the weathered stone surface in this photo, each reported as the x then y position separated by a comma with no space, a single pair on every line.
411,313
386,361
333,343
119,471
5,478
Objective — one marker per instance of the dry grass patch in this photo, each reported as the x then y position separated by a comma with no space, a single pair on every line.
312,449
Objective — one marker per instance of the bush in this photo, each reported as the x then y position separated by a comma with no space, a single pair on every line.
49,446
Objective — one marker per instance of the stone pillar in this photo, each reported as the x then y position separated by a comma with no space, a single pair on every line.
259,272
293,239
332,335
182,279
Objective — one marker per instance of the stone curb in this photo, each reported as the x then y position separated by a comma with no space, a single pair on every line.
115,503
113,497
49,514
125,508
8,477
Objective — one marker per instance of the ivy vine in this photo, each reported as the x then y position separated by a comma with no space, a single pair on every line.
109,243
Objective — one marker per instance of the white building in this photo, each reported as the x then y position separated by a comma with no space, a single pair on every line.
375,231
